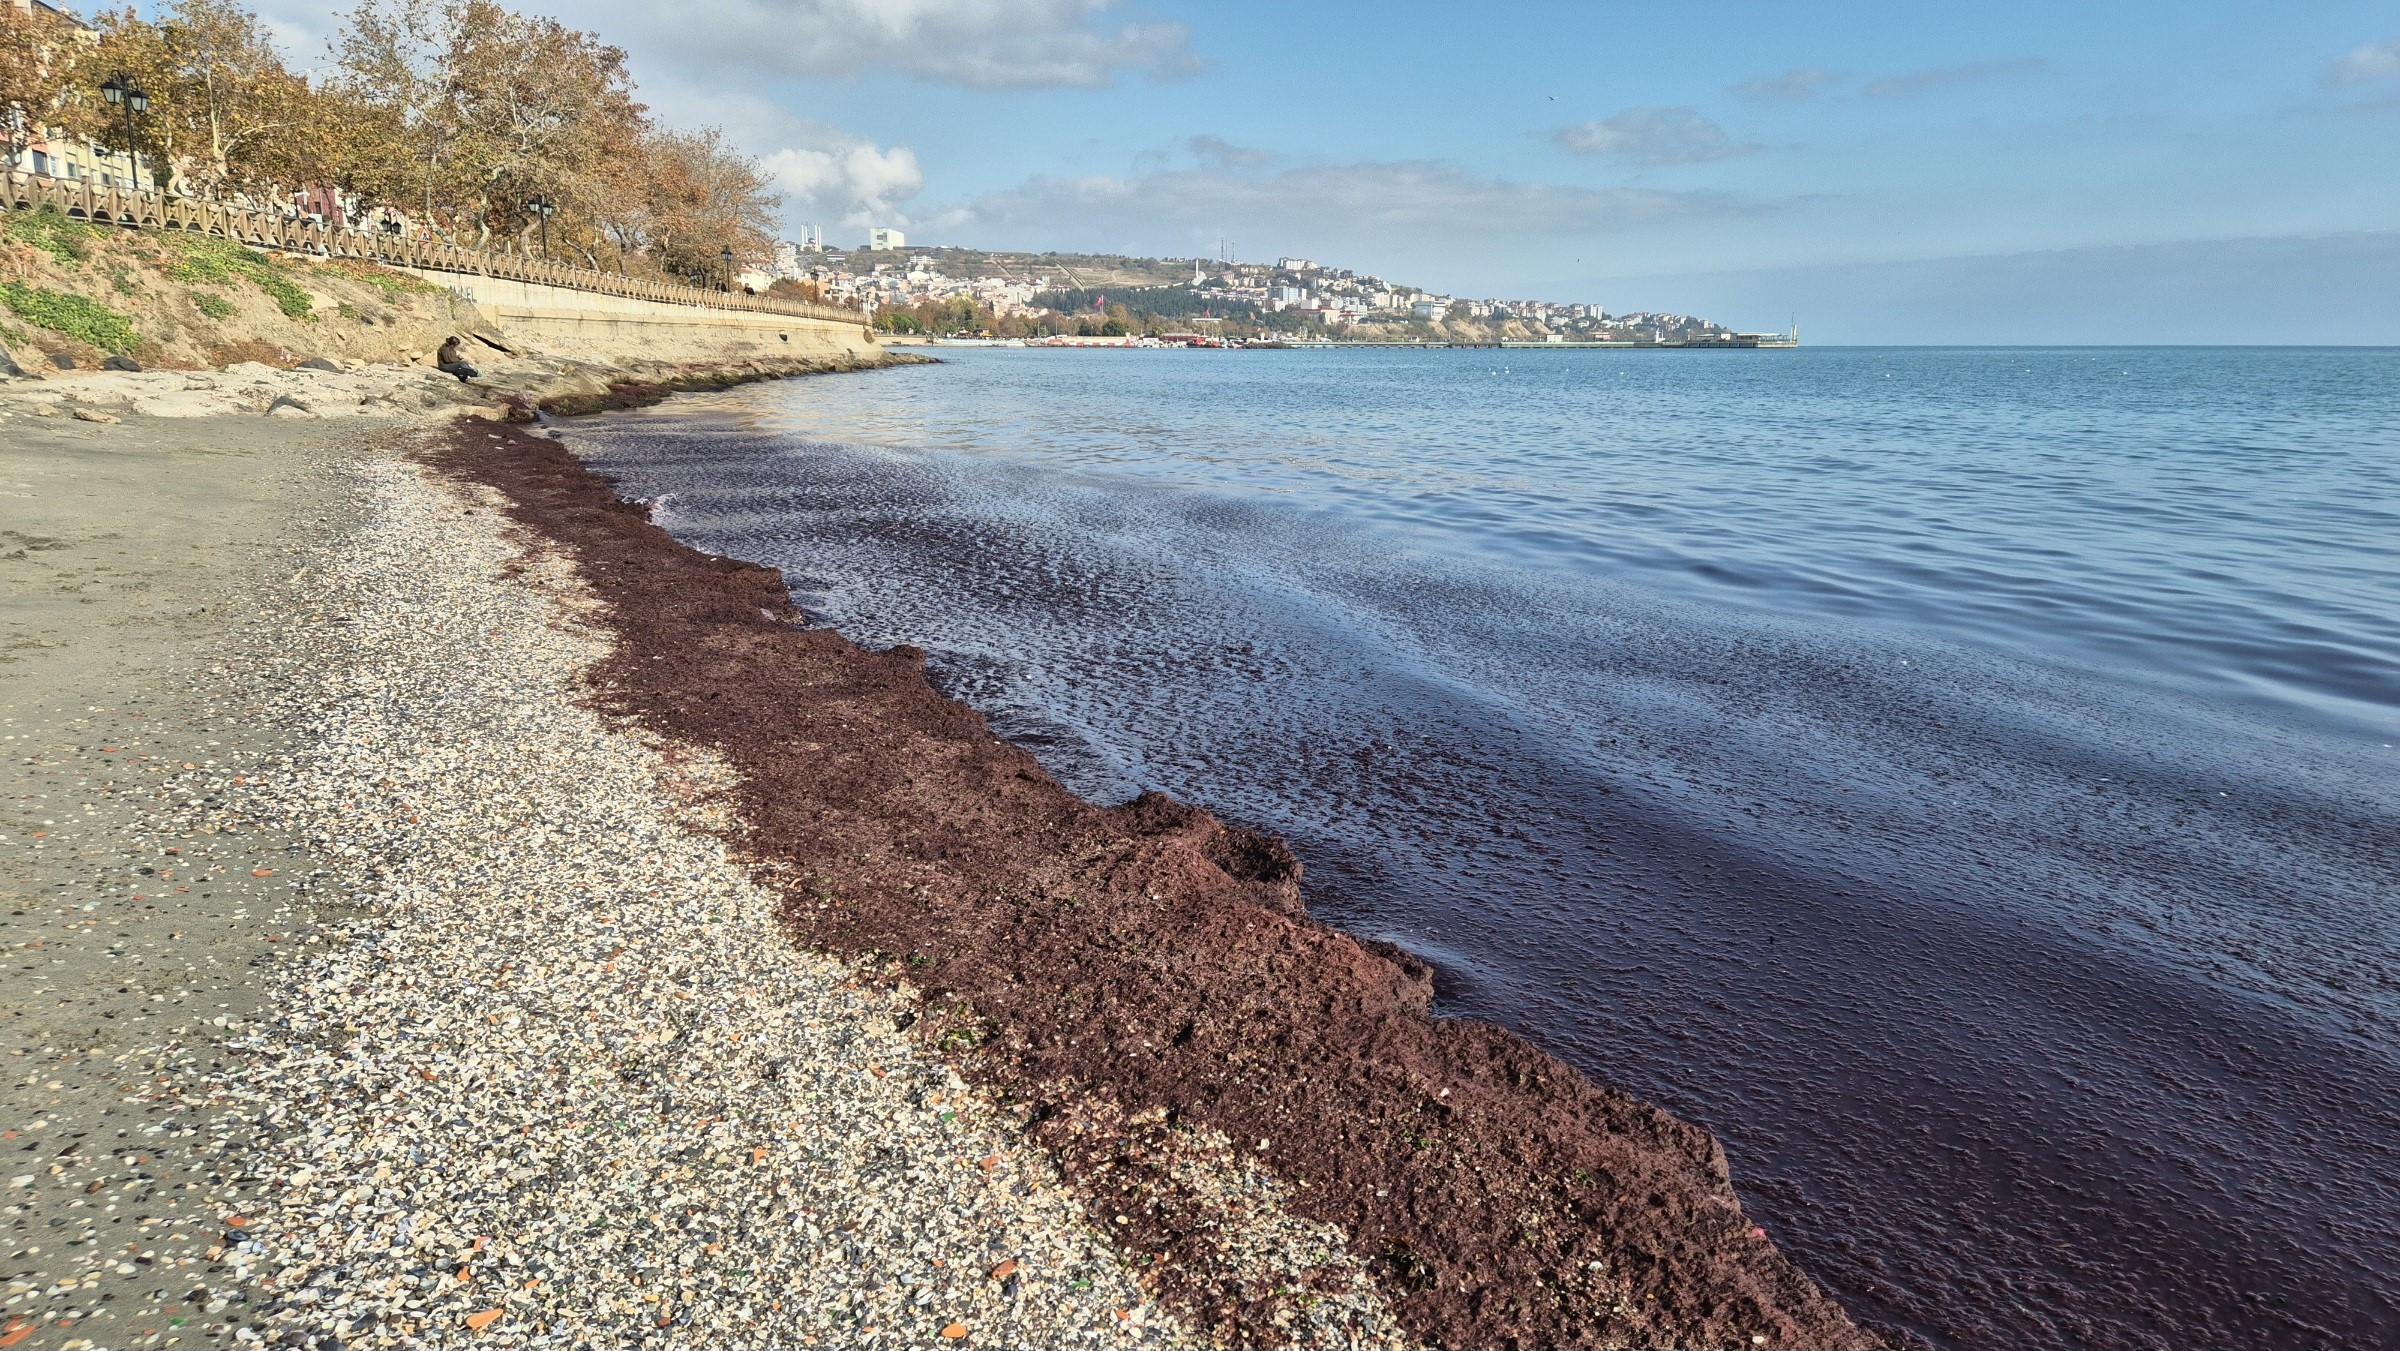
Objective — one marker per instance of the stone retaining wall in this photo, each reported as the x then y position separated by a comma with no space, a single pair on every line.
589,325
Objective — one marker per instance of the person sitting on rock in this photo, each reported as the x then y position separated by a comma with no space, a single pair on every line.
452,361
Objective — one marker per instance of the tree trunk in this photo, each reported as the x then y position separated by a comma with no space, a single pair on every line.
216,132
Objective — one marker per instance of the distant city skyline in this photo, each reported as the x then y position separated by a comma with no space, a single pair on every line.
2211,171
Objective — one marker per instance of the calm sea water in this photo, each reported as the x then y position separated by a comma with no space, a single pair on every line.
1965,780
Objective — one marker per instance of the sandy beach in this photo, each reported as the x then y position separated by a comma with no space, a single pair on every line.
448,912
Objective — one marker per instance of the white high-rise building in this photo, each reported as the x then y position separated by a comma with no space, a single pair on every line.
882,237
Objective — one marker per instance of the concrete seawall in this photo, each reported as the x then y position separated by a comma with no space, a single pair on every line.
592,326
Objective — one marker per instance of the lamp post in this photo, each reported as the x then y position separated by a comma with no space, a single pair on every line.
726,255
121,91
544,208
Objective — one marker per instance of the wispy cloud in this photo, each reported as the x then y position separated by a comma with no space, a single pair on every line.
2365,64
1371,208
1650,137
1940,77
1216,152
978,44
1792,86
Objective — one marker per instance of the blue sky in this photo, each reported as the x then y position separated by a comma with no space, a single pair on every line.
2206,171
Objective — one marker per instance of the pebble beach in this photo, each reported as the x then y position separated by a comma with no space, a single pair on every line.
554,1081
527,1057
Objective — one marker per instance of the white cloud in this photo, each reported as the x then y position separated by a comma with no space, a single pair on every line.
828,176
1354,210
853,186
1937,77
980,44
1792,86
2366,63
1651,136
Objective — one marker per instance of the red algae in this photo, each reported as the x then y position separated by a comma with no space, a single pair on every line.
1122,972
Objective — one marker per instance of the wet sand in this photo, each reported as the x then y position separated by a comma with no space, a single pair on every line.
136,900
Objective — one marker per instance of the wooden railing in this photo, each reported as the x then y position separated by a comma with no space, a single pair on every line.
77,199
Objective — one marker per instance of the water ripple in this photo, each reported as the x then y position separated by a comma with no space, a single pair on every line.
1962,779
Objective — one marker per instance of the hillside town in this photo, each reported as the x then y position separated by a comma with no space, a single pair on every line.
966,293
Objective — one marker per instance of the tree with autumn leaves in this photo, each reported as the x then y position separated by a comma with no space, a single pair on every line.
226,117
39,53
462,115
474,118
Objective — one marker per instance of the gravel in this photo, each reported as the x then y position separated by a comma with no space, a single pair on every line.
545,1071
367,391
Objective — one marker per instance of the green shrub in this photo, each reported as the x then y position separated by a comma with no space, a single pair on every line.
397,285
200,258
66,241
289,298
212,305
78,318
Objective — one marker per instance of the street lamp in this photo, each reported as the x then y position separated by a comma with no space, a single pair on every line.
727,255
120,90
544,208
